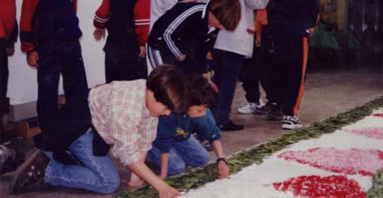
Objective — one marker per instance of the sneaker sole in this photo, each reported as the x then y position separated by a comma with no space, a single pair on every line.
23,166
290,127
239,112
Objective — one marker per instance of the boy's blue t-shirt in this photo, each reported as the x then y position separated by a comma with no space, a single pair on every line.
179,127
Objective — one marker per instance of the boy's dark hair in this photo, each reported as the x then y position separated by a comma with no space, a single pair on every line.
228,12
200,91
167,82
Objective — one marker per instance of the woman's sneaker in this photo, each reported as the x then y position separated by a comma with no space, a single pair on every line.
248,108
291,122
30,173
9,159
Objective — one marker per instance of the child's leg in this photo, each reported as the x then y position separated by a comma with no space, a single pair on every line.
192,152
176,163
98,173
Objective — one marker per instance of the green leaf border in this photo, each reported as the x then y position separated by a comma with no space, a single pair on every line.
376,190
197,177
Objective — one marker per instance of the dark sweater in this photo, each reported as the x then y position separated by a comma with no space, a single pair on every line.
48,20
121,27
293,17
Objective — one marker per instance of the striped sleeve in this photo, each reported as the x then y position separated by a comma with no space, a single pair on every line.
175,24
101,16
142,20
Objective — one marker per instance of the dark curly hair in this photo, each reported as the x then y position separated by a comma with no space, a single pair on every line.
200,91
167,82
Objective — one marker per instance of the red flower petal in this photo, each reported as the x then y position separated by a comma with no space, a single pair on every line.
378,115
352,161
315,186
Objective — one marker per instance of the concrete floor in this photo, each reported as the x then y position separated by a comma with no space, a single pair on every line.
328,91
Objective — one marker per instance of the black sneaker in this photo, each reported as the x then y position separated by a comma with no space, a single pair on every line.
10,159
291,122
274,112
30,173
230,126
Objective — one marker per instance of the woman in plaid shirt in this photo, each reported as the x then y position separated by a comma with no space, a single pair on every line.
124,115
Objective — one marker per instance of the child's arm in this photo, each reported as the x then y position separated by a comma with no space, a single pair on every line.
101,17
164,190
142,23
28,36
164,165
223,168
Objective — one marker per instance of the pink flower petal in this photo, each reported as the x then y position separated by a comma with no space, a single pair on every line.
375,133
315,186
352,161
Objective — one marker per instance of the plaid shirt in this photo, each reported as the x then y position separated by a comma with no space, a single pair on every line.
121,118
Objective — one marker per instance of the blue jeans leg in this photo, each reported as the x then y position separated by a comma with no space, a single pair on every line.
184,153
176,164
97,173
227,66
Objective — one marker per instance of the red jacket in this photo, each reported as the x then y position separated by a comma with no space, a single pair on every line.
7,18
141,17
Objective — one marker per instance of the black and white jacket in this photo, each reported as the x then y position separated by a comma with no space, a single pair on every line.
182,28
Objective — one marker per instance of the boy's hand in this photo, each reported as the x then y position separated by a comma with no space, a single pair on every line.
168,192
258,41
214,86
99,34
223,170
142,51
33,59
181,58
311,31
162,176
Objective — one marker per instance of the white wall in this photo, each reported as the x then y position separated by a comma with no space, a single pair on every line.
23,79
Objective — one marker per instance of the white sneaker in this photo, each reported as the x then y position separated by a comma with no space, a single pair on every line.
291,122
247,107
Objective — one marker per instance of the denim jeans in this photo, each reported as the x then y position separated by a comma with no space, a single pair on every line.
227,66
95,173
55,58
184,153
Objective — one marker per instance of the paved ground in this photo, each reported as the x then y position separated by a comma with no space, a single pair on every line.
328,91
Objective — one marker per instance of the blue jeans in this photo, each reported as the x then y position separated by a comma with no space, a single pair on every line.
227,66
96,173
188,152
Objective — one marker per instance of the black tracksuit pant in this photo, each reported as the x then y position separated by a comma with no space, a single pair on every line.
257,69
288,71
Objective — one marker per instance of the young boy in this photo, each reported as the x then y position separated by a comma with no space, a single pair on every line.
178,37
124,116
290,23
50,36
175,147
125,44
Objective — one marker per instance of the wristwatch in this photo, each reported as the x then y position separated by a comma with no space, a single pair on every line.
222,159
